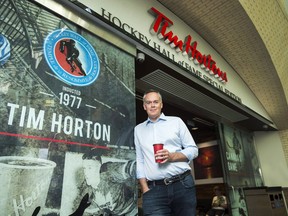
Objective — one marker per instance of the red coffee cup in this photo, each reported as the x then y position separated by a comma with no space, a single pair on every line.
158,146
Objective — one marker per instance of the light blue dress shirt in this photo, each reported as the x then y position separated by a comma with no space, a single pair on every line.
173,133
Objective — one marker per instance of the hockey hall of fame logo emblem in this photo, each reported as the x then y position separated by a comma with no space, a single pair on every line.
71,57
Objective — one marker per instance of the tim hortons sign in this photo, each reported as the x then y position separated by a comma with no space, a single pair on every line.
160,27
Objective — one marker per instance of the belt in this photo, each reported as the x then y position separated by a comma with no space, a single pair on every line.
168,181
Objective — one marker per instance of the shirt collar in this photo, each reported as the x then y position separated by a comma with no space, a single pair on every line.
162,117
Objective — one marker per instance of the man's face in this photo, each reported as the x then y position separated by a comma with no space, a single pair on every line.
92,172
153,105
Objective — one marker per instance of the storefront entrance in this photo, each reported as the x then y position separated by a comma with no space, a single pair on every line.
201,124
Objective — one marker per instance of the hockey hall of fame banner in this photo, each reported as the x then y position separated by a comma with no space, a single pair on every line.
67,107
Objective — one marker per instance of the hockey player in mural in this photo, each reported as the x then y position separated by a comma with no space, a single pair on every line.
111,185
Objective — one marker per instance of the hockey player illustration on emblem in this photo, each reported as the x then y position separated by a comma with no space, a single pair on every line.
68,47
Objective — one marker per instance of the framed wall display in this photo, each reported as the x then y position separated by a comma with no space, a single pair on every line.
207,166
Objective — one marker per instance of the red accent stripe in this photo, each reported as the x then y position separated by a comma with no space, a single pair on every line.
52,140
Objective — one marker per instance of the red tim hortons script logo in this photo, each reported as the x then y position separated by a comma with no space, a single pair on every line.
187,47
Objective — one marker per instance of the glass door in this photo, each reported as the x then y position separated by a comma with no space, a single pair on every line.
241,166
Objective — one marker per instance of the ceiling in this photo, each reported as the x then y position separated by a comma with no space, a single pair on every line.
225,25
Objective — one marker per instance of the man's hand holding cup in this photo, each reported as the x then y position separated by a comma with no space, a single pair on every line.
161,155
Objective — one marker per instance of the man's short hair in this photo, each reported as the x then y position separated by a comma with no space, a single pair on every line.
150,91
93,154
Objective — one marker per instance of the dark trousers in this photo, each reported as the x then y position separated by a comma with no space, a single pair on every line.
177,199
215,212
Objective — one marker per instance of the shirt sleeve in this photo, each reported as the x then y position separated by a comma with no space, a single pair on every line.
190,149
139,157
214,200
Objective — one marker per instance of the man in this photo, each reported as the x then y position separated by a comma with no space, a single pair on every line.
219,203
168,187
112,184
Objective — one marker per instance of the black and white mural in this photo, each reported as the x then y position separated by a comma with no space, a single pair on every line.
67,107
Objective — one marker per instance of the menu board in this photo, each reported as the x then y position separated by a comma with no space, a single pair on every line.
67,107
